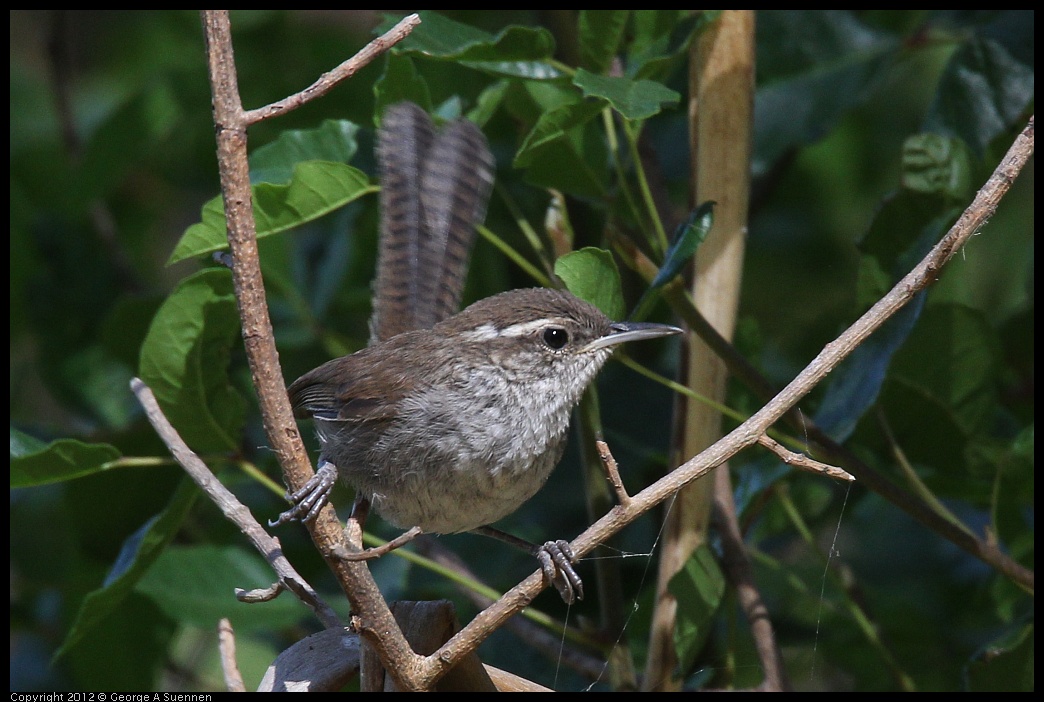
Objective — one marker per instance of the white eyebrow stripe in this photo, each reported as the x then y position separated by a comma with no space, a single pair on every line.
484,333
525,328
488,331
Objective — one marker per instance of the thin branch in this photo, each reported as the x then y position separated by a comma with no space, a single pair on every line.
612,471
227,649
234,510
261,594
612,603
373,619
740,368
799,460
926,272
343,72
377,551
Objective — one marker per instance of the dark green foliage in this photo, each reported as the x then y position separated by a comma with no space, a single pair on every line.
873,130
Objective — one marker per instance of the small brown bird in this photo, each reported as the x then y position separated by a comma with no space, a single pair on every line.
450,423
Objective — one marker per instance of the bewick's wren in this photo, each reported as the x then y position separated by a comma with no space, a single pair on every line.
453,427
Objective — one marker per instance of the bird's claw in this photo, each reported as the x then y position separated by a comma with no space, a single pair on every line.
556,561
311,498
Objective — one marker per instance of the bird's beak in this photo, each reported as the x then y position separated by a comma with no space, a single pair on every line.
631,331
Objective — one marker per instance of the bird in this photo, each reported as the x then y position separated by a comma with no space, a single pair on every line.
450,421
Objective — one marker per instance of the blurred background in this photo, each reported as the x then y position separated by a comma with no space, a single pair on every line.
113,156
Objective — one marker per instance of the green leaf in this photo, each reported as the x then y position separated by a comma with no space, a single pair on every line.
983,90
560,124
600,35
952,357
698,589
687,239
196,585
400,81
563,150
139,551
23,444
316,188
940,395
528,70
634,99
906,226
517,51
936,165
813,67
591,274
439,37
488,102
185,357
36,463
560,164
333,140
661,40
856,384
872,283
1012,459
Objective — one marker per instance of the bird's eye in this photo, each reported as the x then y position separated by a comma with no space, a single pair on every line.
556,337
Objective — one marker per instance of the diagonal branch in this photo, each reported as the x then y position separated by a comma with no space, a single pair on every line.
748,433
346,70
234,510
984,549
